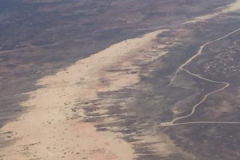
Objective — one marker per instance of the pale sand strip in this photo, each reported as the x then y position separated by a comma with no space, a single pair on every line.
47,130
235,6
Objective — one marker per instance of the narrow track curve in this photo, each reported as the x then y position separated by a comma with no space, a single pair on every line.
225,85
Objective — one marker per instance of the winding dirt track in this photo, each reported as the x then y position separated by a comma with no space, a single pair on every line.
225,85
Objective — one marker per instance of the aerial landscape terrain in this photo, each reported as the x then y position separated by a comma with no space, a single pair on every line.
119,80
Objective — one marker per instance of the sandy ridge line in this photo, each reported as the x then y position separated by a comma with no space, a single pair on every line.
172,123
50,130
233,7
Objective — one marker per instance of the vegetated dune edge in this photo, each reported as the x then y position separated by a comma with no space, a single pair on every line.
233,7
51,130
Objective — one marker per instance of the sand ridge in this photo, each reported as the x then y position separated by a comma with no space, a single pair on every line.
50,129
233,7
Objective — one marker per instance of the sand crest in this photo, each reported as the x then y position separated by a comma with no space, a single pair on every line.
233,7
